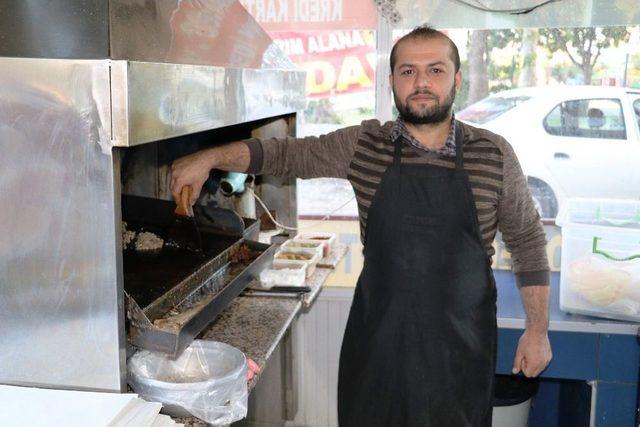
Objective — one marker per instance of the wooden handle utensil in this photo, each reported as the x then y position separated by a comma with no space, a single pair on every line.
184,207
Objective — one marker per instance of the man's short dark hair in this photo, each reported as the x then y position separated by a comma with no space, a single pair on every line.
426,32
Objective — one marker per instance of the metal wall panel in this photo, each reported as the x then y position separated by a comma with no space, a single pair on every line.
205,32
60,258
54,28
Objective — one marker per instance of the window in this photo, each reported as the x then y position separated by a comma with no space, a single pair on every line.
636,109
587,118
335,43
489,108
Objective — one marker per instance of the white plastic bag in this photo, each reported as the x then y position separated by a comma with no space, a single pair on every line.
208,380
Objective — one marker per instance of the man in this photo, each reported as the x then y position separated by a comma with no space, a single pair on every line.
419,347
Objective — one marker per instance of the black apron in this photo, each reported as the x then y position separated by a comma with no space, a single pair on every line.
419,347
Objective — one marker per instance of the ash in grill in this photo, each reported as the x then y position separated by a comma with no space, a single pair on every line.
240,260
140,240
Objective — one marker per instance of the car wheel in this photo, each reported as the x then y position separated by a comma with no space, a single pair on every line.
544,199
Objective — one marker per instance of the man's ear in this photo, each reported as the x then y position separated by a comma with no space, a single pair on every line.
458,80
391,79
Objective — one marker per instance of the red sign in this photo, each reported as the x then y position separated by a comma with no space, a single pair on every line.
336,62
305,15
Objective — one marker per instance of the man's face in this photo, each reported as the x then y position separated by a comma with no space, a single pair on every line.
424,81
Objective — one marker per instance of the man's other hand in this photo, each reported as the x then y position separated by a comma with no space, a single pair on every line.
533,354
253,369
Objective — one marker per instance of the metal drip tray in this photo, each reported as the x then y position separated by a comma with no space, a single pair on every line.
173,294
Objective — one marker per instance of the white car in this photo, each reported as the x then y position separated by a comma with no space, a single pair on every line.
571,141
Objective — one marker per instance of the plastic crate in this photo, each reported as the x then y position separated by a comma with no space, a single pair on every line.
600,266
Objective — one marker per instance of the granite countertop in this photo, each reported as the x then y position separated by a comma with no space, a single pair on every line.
255,325
256,321
324,269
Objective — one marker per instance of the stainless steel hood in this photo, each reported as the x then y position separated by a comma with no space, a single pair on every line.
153,101
175,67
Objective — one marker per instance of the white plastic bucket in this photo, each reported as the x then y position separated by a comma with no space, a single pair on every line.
208,380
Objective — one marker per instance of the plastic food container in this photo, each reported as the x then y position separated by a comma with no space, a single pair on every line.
600,266
305,245
310,258
208,380
324,246
284,273
328,239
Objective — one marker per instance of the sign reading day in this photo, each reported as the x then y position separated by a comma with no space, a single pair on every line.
336,62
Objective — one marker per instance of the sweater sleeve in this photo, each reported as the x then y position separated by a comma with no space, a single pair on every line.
327,155
519,222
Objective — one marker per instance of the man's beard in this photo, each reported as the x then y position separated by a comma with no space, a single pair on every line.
430,116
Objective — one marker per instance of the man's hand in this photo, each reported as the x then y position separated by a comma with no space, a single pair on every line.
253,369
533,353
191,170
194,169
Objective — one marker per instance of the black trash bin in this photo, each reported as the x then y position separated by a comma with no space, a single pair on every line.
512,400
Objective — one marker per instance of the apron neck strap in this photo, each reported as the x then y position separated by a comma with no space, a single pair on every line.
397,151
459,136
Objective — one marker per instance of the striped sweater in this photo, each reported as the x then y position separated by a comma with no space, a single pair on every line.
362,154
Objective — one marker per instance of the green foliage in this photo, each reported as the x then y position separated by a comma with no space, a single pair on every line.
499,39
463,94
321,111
502,77
366,111
498,87
583,39
565,73
503,73
583,45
